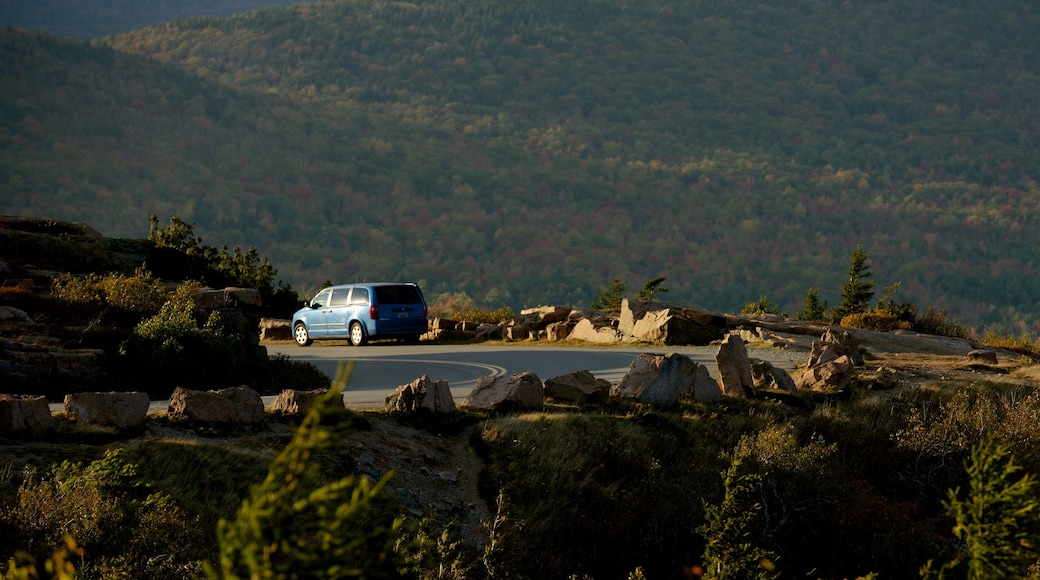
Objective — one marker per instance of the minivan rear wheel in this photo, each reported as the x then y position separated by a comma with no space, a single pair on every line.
357,334
300,334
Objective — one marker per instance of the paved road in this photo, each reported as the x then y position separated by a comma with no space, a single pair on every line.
379,368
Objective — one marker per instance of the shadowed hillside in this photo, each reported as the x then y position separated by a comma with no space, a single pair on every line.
539,150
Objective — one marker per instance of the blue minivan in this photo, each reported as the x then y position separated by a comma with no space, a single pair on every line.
362,312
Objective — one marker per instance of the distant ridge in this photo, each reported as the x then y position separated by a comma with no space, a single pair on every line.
540,150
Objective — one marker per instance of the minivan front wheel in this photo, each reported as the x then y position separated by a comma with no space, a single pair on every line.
357,334
300,334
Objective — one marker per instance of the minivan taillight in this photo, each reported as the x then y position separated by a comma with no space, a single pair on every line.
373,313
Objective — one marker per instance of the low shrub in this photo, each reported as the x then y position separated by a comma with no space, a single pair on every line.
879,321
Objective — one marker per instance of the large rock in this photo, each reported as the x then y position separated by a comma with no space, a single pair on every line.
734,367
598,331
665,380
768,377
558,331
111,409
12,314
297,402
660,323
520,391
48,365
579,387
24,415
421,395
275,329
831,376
234,405
542,316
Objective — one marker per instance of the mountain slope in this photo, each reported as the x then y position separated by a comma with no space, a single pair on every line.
97,18
538,150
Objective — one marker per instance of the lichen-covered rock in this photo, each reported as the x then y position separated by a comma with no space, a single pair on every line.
234,405
734,367
519,391
579,387
24,415
665,380
421,395
119,410
296,402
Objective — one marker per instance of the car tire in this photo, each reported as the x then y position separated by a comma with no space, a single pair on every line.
357,334
300,334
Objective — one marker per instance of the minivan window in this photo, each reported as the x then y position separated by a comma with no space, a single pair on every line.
360,297
322,299
340,296
397,295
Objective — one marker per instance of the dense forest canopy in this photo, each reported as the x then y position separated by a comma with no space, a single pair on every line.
537,150
86,19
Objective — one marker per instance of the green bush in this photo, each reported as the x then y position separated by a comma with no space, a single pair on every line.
138,293
184,346
125,529
294,525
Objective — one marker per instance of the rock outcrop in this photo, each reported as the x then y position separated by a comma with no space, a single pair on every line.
519,391
120,410
296,402
666,379
24,415
660,323
234,405
831,363
421,395
577,387
768,377
275,329
735,367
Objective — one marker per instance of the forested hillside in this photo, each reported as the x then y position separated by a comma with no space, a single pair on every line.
539,149
95,18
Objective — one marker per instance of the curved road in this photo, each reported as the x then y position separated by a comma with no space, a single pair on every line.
379,368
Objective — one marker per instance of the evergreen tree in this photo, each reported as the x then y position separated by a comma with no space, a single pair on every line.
815,309
998,518
610,298
652,286
858,291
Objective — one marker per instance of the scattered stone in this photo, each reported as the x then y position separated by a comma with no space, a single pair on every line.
112,409
558,331
275,329
768,377
666,379
598,331
517,333
833,375
541,316
983,356
421,395
660,323
22,415
12,314
519,391
735,368
234,405
579,387
296,402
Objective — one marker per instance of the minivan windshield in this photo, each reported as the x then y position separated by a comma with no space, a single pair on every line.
398,295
